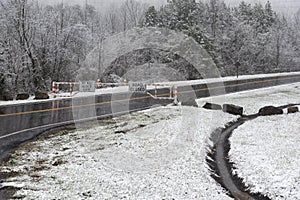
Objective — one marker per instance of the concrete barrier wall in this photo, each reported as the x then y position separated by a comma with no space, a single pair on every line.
21,122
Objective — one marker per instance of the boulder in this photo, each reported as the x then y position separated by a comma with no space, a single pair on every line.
212,106
41,95
270,110
233,109
293,109
22,96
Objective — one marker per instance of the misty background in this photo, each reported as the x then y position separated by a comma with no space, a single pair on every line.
285,6
42,41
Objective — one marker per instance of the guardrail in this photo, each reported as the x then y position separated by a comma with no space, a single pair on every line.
22,122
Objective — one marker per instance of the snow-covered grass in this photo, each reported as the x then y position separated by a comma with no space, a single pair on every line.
266,150
253,100
160,154
154,154
267,154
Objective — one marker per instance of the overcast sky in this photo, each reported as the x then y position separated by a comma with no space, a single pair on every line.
286,6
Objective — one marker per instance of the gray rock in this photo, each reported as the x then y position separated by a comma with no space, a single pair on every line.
22,96
270,110
293,109
41,95
212,106
233,109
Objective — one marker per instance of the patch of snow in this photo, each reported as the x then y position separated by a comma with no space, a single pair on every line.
160,154
11,184
253,100
230,78
65,95
266,150
153,154
267,154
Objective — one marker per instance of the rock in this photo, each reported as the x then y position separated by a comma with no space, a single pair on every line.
233,109
270,110
87,194
41,95
212,106
22,96
57,163
293,109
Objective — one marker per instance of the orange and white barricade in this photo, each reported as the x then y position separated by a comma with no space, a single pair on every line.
56,89
173,94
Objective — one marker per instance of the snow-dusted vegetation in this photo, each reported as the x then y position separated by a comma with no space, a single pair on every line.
267,155
41,43
266,150
154,154
160,153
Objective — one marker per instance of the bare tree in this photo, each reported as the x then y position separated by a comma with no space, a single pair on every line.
134,12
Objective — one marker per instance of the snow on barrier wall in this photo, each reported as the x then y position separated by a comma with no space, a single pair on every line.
22,122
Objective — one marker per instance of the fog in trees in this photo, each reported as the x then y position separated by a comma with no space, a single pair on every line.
44,43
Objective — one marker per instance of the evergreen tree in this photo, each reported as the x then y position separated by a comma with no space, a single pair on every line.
269,14
151,17
244,12
259,18
181,14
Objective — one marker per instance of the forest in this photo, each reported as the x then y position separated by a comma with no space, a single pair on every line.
44,43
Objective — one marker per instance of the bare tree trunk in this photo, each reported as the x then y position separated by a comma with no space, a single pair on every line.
214,15
277,50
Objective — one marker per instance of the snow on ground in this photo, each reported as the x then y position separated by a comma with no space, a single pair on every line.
253,100
232,78
160,154
66,95
266,150
154,154
3,185
267,154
